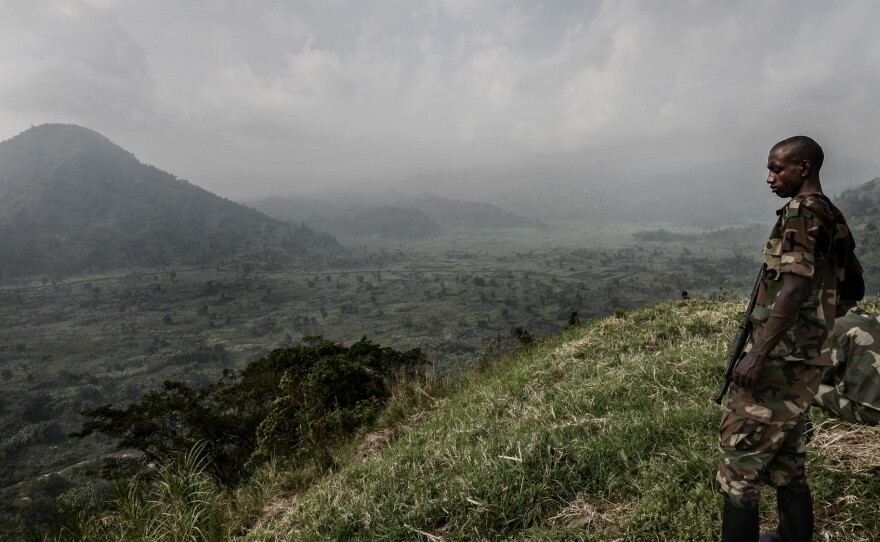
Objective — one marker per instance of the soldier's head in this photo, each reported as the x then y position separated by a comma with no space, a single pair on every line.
794,165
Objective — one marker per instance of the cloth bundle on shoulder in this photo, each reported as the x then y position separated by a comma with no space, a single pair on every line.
850,389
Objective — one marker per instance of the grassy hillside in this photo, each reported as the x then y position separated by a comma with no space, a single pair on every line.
606,432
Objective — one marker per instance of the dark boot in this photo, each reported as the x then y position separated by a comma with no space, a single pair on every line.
739,524
795,516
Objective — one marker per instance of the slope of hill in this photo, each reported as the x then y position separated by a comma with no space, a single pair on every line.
604,433
391,214
71,200
607,432
469,214
382,220
861,206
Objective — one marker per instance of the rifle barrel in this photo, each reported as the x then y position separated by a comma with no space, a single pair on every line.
742,336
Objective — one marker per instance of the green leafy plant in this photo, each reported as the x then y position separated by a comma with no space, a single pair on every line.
293,401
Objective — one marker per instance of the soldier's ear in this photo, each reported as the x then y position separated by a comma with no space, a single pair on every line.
806,167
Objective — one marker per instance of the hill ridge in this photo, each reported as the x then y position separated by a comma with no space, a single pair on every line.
391,214
71,200
605,432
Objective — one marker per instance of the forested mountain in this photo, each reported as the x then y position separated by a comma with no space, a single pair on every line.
861,206
71,200
390,214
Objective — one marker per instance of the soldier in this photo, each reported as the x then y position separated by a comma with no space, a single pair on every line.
762,431
850,390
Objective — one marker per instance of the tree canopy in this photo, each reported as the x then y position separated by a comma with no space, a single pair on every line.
291,403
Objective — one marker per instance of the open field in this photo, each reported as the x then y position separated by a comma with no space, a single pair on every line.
108,338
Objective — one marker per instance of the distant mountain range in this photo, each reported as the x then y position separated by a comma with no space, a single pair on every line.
71,201
732,192
391,214
861,207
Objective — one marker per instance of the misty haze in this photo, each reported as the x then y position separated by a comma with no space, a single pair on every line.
224,223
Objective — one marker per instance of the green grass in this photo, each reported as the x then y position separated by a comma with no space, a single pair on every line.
606,432
179,503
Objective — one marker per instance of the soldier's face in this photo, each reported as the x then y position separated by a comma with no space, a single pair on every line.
785,177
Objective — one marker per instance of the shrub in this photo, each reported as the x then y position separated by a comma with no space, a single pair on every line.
292,402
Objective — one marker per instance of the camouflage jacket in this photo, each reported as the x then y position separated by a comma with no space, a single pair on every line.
811,239
851,389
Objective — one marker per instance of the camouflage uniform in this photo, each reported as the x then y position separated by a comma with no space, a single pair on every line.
762,430
850,389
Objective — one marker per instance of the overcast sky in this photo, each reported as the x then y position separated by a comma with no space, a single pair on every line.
254,97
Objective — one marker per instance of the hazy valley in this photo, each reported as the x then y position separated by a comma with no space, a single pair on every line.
117,277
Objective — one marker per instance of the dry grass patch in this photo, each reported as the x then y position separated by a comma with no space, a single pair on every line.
851,454
591,515
848,448
423,535
375,442
278,507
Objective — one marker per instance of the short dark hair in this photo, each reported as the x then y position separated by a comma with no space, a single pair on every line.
803,148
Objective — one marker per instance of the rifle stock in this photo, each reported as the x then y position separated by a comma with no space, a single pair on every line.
742,336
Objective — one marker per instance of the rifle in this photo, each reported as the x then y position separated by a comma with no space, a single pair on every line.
739,343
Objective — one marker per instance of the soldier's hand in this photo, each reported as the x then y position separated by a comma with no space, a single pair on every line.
748,370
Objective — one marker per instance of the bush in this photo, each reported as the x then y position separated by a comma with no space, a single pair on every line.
292,402
327,392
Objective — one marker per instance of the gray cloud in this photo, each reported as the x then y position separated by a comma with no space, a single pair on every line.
250,98
71,60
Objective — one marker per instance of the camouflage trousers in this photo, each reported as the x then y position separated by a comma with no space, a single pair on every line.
762,431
